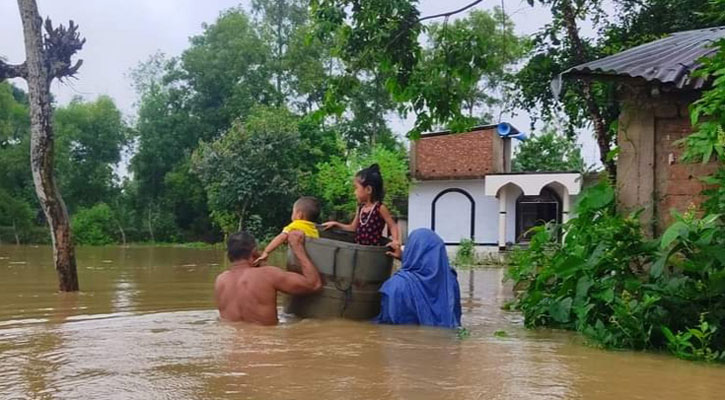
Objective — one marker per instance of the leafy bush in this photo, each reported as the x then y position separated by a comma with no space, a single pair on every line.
466,254
590,279
94,226
694,344
32,235
605,280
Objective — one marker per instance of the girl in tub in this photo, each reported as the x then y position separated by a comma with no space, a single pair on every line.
372,215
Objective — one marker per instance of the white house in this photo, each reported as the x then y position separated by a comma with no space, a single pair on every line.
463,188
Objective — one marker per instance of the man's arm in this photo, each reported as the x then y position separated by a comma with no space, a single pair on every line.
293,283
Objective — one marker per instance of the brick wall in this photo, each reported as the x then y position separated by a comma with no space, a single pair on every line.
676,183
651,175
457,156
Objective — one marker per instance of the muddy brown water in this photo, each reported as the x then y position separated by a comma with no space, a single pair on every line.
144,326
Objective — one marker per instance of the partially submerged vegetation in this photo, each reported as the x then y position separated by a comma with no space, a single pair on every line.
466,257
597,274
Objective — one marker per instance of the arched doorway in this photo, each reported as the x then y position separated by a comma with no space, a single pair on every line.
453,215
533,211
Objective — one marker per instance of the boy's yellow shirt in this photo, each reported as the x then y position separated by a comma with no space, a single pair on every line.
307,227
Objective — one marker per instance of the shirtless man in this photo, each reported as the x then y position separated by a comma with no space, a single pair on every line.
248,293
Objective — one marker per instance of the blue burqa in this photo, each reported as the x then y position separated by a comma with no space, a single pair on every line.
425,290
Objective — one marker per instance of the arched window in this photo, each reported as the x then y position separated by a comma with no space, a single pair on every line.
453,215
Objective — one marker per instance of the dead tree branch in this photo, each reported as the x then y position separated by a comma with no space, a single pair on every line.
60,45
9,71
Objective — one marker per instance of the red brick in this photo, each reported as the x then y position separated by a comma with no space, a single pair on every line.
456,155
684,187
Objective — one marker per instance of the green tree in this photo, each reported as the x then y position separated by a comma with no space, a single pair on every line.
166,134
227,72
559,46
251,170
15,176
381,38
234,71
185,198
14,119
335,181
301,65
94,226
90,138
466,63
15,213
308,62
278,24
548,151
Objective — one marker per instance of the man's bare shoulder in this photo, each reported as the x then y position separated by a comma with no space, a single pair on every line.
222,277
270,270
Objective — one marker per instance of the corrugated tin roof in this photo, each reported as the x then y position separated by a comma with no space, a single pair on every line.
670,60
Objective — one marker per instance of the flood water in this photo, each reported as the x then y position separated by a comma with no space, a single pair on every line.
144,326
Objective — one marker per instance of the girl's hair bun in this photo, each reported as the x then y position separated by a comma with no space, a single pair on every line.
374,168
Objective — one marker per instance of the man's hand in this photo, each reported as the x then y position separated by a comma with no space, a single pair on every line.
308,281
330,224
262,258
296,239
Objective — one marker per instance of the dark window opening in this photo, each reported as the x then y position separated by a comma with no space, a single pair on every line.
532,211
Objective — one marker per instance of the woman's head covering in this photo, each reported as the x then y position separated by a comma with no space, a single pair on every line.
425,290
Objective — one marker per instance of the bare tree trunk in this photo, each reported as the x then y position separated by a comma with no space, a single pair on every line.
41,147
600,129
242,214
123,233
15,232
150,226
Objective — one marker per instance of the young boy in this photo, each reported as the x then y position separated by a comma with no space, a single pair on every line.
305,212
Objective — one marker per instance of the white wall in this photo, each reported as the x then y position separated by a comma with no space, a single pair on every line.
453,211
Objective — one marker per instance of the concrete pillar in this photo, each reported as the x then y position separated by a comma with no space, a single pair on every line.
502,199
635,163
565,207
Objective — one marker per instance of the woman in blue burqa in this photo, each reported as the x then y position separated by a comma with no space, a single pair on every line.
425,290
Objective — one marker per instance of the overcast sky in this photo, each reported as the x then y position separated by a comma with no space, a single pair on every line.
121,33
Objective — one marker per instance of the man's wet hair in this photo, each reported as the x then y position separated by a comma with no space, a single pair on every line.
309,207
240,245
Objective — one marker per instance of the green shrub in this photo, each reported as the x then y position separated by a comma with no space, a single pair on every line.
466,254
94,226
605,280
590,280
31,235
